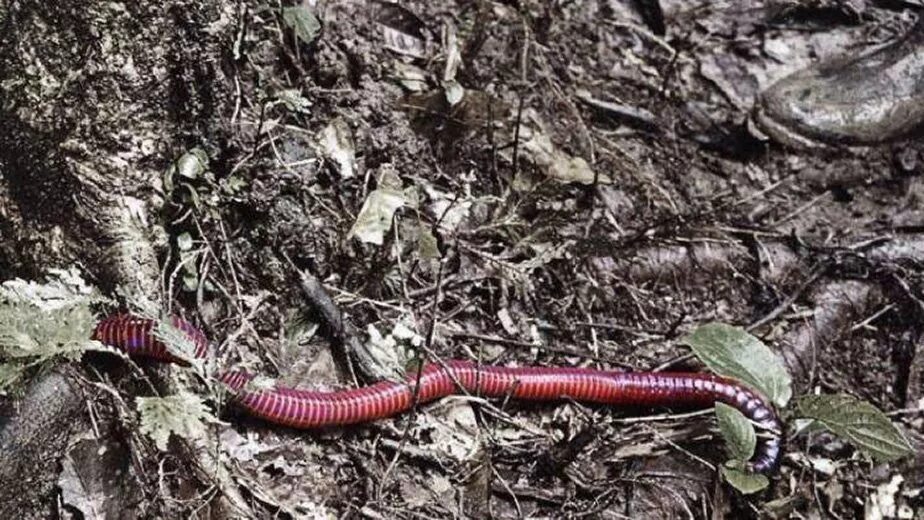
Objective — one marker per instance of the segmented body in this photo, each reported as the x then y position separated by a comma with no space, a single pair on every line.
307,409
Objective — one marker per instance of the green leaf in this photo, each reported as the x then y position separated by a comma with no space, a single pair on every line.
303,21
454,92
192,163
427,246
737,430
184,241
294,101
745,481
41,323
38,335
859,422
732,352
183,414
807,426
190,282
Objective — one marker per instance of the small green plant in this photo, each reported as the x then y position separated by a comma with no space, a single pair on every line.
41,323
193,189
859,422
732,352
302,20
183,414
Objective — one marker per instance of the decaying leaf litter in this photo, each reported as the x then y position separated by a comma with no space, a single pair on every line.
551,184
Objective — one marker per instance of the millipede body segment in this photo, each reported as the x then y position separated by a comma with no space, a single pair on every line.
308,409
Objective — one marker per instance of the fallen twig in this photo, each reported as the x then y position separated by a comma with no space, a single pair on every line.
343,331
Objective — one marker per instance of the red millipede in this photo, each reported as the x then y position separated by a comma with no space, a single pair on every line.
309,409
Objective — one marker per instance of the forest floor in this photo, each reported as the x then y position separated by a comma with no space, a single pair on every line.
545,183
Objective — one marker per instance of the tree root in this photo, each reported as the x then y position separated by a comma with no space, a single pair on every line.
31,441
837,305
